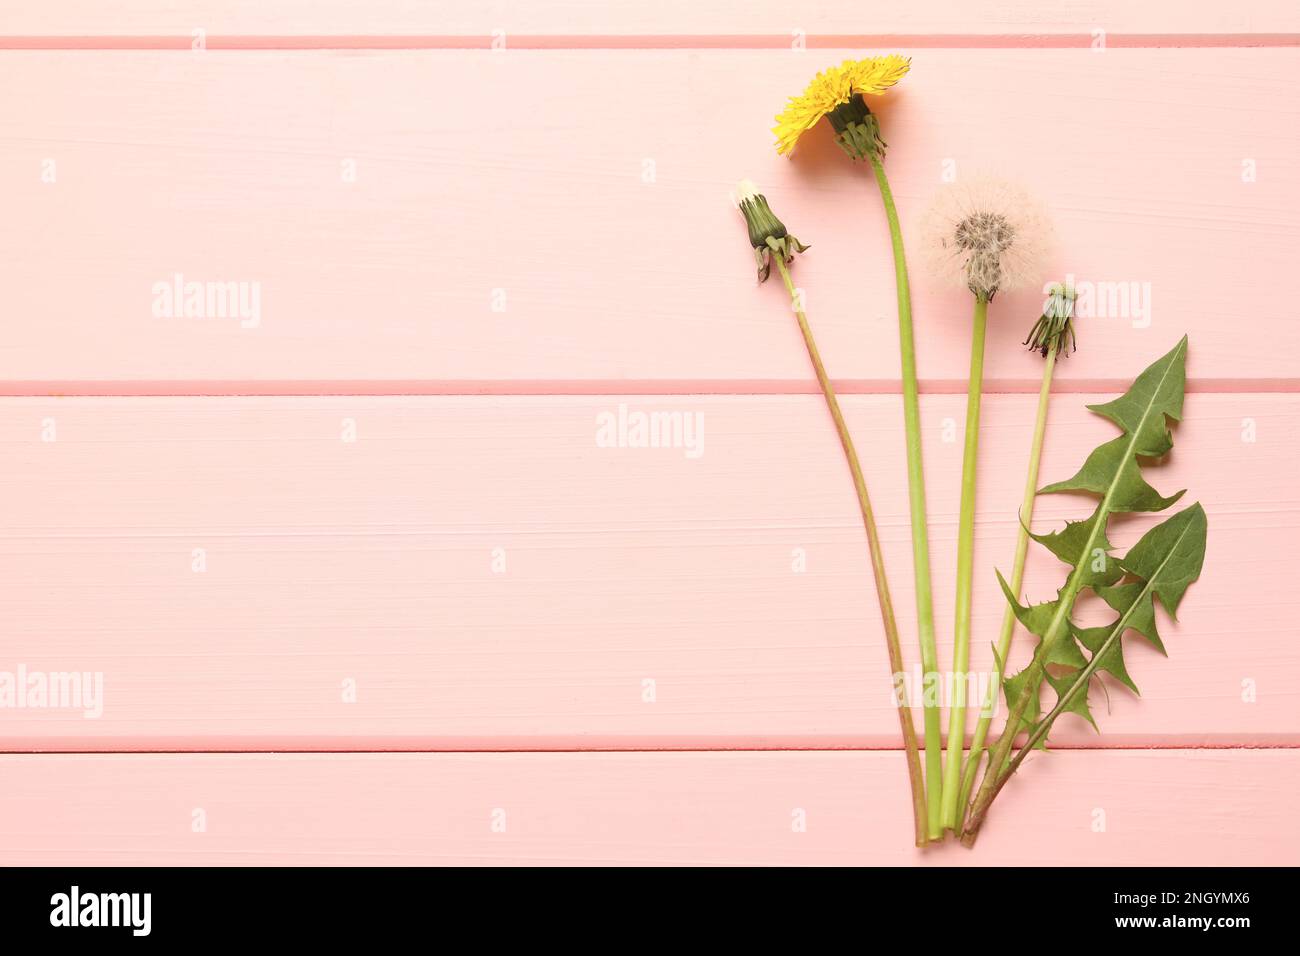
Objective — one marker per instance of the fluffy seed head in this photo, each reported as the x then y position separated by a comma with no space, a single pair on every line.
986,234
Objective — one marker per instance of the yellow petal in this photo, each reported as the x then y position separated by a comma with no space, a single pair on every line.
830,88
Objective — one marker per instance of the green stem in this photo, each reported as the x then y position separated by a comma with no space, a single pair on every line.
877,563
1017,581
965,567
916,496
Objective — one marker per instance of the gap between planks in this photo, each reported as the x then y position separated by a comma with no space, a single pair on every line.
596,387
920,41
667,749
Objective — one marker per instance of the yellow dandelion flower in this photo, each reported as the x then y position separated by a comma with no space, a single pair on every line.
837,93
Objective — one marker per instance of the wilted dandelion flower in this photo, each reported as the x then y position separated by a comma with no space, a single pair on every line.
986,234
1054,330
837,93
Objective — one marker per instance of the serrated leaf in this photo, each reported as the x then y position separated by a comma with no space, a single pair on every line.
1112,470
1124,596
1166,560
1078,704
1160,387
1032,714
1066,653
1170,556
1036,619
1068,544
1112,662
1013,686
1112,465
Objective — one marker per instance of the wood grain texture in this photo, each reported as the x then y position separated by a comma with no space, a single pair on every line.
1201,808
539,234
229,168
632,17
373,561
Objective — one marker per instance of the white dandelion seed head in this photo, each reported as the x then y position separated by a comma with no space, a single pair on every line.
986,234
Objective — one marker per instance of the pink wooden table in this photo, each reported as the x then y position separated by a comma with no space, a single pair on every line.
360,580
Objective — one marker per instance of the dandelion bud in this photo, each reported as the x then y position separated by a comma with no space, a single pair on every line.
767,234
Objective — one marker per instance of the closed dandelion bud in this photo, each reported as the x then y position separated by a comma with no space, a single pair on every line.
767,234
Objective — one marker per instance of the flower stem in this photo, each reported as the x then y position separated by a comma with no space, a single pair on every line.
1017,581
916,496
877,563
965,566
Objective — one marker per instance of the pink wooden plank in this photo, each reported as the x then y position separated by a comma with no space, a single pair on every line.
1096,808
373,561
230,167
585,17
